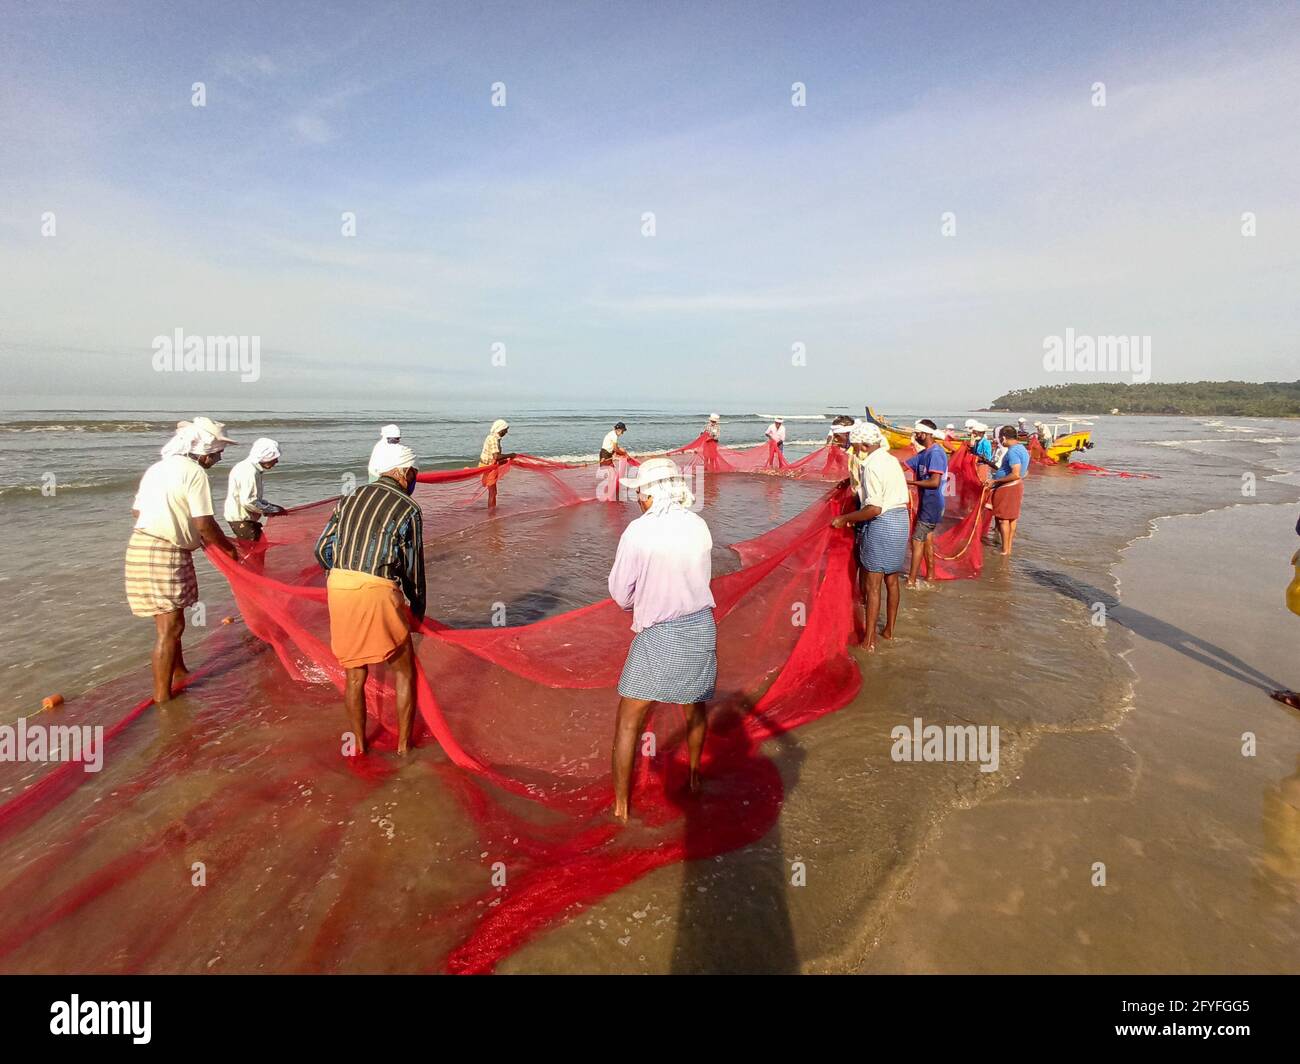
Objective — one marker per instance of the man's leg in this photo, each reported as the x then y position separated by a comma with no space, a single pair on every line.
167,653
697,726
354,702
929,556
915,546
403,665
1008,537
627,729
873,609
893,594
492,496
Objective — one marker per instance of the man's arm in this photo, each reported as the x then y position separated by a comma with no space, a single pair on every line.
328,540
212,536
413,564
1010,478
867,513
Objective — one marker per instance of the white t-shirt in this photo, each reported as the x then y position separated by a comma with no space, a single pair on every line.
244,491
662,567
776,432
172,492
610,441
882,481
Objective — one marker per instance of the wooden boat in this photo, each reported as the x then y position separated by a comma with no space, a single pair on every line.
1066,440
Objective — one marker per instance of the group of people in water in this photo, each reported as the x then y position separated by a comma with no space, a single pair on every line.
372,549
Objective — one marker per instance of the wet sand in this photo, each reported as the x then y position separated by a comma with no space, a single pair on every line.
941,868
1201,844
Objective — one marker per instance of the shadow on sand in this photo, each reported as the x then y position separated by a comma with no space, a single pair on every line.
1191,646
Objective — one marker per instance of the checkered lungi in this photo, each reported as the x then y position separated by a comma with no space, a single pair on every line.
159,576
673,661
882,544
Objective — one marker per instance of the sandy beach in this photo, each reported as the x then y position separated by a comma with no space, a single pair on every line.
1201,844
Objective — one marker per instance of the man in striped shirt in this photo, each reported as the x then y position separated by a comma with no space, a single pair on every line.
373,548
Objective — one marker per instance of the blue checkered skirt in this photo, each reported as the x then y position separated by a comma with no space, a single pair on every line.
882,545
673,661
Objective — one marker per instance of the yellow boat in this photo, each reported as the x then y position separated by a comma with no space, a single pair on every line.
1065,439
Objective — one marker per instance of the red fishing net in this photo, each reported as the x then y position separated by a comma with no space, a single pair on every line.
516,678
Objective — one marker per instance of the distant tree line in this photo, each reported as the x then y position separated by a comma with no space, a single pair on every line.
1231,398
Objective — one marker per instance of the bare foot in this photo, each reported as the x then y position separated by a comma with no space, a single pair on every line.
620,813
869,646
696,784
1287,698
403,749
887,633
1005,553
910,584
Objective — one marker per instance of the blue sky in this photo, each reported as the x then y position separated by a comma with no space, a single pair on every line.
521,225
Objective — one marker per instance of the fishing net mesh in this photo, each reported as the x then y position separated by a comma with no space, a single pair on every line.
516,685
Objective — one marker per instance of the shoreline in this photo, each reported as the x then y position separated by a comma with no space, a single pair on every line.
1181,892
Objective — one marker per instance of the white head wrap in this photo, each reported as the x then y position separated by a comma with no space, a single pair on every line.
388,456
865,432
499,424
264,450
192,440
390,432
662,480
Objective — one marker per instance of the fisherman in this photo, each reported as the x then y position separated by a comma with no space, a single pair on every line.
776,433
882,543
839,433
173,518
492,456
388,434
714,427
373,549
1009,486
929,467
610,448
1022,430
245,504
950,434
982,449
999,448
661,574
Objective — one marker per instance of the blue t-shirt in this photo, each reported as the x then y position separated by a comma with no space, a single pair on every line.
984,449
1016,454
934,459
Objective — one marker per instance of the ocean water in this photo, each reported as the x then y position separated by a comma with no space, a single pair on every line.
1029,661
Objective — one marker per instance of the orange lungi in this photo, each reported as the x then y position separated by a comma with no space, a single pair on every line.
368,618
1006,501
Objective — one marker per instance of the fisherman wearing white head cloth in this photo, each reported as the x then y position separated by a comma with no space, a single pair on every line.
661,574
492,457
882,510
373,550
245,503
173,518
388,434
714,428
